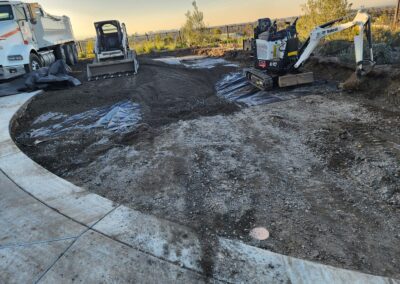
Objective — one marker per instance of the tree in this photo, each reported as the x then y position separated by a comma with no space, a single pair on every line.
318,12
248,31
194,30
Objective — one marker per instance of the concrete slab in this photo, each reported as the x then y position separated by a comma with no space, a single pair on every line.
242,263
25,220
26,264
55,192
160,238
8,107
7,147
226,260
98,259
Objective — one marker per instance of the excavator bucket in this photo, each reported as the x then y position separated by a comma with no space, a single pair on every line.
113,68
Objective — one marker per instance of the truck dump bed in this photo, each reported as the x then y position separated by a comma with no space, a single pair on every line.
50,30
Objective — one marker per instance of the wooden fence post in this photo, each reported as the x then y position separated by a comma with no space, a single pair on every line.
397,16
180,38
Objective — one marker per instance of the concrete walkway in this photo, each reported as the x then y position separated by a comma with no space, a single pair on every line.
54,232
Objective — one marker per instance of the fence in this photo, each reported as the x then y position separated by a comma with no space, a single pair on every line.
223,33
226,32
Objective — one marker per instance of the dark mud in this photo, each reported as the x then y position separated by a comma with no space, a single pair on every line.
321,173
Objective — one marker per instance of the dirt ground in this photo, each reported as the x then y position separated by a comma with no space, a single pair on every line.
320,172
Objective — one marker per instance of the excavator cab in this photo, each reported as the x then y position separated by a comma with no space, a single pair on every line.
263,26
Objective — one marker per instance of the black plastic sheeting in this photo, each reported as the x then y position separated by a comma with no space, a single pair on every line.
54,76
235,88
13,87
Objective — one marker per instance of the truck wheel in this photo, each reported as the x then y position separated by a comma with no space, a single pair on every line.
75,53
59,53
34,63
69,54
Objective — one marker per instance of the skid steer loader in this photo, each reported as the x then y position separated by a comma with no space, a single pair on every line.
113,56
279,56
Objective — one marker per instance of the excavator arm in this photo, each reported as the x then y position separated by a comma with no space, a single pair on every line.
362,21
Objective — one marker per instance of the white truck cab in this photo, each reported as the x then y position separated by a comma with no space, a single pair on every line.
31,38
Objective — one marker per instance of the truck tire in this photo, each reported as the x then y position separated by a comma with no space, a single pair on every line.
69,54
34,63
59,53
75,52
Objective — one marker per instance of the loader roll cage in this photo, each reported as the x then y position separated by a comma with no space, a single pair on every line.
110,36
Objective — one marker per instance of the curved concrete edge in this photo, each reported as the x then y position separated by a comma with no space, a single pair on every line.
66,198
222,259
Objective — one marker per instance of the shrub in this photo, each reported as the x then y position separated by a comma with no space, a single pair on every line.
382,54
318,12
194,30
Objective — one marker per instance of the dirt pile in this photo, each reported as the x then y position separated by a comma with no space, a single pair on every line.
381,84
165,94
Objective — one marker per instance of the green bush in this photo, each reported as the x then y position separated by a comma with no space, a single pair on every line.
194,31
382,54
318,12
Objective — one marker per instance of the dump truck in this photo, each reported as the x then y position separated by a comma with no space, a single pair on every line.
31,38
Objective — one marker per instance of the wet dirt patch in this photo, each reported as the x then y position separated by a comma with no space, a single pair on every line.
319,173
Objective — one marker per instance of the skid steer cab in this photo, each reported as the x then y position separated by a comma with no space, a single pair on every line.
113,57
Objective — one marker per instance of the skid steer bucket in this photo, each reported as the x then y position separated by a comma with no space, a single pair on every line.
111,69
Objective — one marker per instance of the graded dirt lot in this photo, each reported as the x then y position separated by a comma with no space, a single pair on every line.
321,172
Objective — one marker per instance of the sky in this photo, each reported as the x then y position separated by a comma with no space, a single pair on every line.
142,16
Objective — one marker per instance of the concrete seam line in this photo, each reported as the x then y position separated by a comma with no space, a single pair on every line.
157,257
42,202
7,155
59,257
36,243
68,247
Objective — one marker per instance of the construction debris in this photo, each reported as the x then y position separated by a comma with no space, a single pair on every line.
55,76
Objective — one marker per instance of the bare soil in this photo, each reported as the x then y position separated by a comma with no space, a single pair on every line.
321,172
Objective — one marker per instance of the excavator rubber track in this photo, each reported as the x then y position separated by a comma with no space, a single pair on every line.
259,79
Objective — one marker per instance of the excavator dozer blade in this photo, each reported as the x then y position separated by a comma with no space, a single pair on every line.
296,79
112,69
